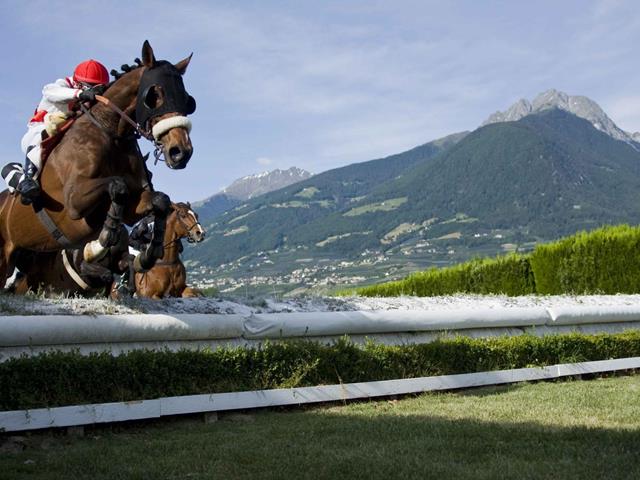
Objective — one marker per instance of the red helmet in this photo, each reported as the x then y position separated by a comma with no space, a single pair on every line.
91,72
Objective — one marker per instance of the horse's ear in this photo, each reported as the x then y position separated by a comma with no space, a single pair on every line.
148,58
183,64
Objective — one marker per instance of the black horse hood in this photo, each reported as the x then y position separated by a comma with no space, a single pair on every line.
162,91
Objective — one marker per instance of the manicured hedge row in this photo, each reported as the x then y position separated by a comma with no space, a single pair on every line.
510,274
604,261
59,379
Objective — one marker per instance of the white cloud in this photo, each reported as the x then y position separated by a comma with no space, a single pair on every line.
264,161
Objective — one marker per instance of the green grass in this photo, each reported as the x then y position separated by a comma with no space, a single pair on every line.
564,430
385,206
307,192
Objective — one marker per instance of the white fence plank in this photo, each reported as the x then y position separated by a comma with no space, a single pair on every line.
115,412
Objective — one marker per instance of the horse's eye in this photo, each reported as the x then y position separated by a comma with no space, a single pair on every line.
154,97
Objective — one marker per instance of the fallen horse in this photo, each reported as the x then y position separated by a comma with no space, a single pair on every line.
168,276
95,180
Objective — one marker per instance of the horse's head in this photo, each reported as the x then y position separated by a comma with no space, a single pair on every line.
162,106
187,224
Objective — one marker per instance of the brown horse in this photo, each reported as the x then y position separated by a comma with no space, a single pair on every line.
96,179
66,272
168,276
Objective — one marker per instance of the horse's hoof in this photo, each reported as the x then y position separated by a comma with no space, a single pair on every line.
94,251
109,238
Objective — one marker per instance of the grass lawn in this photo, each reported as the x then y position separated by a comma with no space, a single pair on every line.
570,429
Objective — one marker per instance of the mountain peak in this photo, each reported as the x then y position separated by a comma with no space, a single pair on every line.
257,184
578,105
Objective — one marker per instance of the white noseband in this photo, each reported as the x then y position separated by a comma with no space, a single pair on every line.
163,126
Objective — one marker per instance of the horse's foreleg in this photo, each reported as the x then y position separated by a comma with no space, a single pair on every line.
111,230
160,204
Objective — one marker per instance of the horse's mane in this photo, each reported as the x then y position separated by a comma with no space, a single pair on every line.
126,68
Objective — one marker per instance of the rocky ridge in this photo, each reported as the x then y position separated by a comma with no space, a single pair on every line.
253,185
578,105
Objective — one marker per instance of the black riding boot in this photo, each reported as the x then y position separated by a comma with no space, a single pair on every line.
28,188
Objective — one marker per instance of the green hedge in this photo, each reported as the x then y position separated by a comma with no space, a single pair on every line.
56,379
602,261
510,274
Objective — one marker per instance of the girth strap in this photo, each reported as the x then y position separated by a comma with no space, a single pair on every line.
51,227
72,273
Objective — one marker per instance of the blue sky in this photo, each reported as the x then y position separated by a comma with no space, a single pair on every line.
324,84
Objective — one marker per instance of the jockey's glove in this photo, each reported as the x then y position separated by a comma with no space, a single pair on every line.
89,95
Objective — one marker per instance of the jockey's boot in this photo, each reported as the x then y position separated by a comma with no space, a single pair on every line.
28,188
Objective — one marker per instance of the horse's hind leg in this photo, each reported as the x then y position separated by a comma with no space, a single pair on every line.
7,261
190,292
4,266
111,229
160,205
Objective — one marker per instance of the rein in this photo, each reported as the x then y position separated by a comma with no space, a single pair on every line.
136,126
139,130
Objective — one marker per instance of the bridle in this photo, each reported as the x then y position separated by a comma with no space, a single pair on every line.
161,81
140,132
187,228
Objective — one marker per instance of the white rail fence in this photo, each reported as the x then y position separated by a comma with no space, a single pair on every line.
31,335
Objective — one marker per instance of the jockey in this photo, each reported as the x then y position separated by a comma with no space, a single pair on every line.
58,99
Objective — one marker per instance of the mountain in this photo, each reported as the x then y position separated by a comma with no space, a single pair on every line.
214,206
255,185
580,106
550,173
503,187
304,202
247,187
